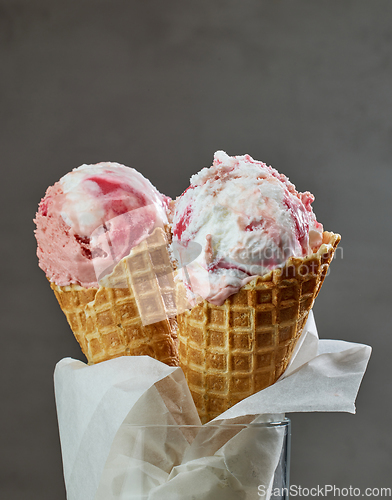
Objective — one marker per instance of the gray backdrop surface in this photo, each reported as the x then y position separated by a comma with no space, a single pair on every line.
302,85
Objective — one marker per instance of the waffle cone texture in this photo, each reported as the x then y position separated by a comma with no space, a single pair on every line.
232,351
130,313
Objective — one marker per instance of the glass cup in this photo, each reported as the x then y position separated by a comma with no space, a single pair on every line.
216,461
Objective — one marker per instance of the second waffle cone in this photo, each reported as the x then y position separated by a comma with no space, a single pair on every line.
232,351
130,313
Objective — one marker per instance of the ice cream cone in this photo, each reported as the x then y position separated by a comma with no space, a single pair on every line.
132,312
231,351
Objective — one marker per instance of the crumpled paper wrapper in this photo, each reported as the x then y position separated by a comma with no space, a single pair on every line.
119,419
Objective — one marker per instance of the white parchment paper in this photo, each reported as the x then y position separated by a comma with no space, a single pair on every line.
108,456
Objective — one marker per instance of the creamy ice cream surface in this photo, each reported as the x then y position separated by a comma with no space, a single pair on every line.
239,219
91,218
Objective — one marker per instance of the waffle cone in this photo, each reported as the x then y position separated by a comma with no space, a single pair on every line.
130,314
232,351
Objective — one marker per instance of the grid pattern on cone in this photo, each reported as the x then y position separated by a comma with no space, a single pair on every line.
128,313
231,351
150,274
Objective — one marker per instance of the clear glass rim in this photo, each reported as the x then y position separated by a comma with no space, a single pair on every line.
221,424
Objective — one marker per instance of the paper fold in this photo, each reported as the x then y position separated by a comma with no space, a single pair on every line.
101,408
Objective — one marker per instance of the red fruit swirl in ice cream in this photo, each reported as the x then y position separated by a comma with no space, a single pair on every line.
92,218
246,219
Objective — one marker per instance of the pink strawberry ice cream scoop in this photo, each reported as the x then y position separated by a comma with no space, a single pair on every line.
239,219
91,218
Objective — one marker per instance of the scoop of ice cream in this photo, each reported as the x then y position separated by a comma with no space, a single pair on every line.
91,218
239,219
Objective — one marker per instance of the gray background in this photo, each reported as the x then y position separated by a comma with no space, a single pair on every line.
160,85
